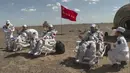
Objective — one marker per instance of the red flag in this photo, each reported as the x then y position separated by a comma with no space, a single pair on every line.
68,14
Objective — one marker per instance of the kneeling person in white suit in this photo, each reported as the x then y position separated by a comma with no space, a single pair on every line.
120,54
47,41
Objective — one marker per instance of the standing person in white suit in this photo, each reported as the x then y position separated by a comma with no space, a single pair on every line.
120,54
8,29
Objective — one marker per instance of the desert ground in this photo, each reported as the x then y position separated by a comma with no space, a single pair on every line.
21,62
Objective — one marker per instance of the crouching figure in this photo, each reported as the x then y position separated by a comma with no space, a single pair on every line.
119,55
91,47
21,40
47,43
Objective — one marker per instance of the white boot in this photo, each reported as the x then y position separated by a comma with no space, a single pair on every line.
37,53
30,52
77,61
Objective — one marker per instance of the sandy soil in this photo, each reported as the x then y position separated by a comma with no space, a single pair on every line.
21,62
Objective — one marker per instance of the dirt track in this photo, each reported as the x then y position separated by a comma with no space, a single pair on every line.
21,62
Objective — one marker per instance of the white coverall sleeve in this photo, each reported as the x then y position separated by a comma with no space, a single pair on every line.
50,35
12,28
5,29
101,36
53,34
121,45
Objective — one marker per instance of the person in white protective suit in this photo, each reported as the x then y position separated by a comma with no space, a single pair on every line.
32,37
22,39
119,55
48,36
25,31
8,29
95,32
24,28
88,45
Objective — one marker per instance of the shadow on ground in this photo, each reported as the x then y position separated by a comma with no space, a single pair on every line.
104,69
70,62
2,48
26,55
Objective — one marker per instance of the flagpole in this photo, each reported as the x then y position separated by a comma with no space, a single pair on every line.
61,26
61,19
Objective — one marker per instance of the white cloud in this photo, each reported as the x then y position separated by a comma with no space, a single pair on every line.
32,9
58,4
24,9
66,0
49,5
116,8
28,9
92,1
77,10
55,8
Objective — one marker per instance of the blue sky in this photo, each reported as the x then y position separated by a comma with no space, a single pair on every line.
35,12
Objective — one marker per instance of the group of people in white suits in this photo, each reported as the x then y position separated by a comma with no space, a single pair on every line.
31,35
119,55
